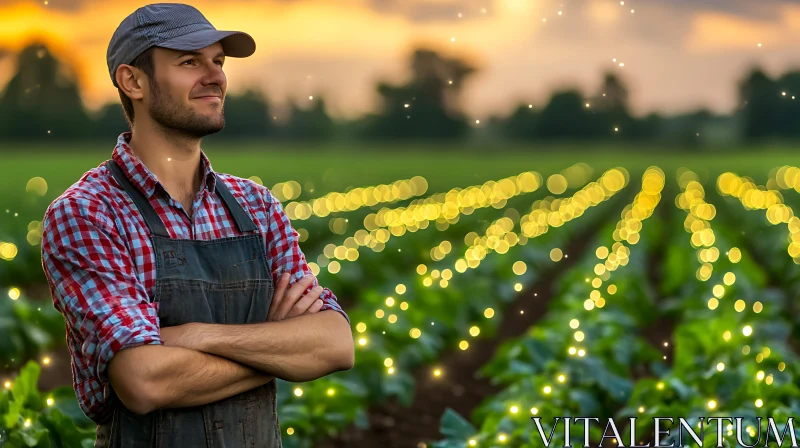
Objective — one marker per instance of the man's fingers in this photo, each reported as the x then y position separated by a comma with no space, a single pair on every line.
316,306
305,302
296,301
293,294
277,297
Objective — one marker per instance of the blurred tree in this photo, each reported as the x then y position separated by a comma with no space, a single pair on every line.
42,100
43,95
308,124
646,128
569,116
685,129
110,122
565,117
247,115
787,94
522,124
760,105
612,95
609,110
427,106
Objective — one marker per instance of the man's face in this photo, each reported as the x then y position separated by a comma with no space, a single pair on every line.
188,91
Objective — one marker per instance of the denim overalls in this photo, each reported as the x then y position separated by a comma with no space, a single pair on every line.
222,281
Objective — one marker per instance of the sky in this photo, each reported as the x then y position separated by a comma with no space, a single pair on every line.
674,55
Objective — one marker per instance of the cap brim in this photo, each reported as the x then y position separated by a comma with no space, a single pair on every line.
235,44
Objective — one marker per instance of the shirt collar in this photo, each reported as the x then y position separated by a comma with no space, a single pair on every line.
144,179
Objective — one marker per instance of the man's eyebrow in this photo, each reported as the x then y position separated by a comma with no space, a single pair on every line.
198,53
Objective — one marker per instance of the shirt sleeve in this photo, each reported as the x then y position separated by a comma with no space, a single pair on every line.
91,275
283,249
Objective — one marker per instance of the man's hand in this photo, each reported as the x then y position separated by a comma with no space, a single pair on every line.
179,336
286,304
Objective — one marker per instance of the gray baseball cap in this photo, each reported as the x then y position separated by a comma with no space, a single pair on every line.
170,25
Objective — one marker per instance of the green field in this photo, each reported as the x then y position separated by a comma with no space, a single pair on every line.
647,291
334,168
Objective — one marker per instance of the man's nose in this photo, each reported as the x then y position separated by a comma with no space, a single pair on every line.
214,75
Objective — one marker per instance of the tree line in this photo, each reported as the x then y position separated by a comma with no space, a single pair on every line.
42,101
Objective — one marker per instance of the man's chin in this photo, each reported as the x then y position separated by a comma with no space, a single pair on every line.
211,127
215,130
200,132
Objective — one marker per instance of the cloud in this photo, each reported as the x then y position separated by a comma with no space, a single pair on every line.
677,53
412,10
606,23
63,5
427,10
447,10
312,31
717,31
750,9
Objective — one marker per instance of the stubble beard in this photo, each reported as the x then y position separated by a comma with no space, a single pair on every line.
165,111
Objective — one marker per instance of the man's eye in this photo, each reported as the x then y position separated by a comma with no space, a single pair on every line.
189,60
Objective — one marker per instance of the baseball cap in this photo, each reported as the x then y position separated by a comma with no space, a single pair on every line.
170,25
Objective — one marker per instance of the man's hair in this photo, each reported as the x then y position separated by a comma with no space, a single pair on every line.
143,62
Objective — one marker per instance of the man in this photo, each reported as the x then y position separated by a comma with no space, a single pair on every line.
184,291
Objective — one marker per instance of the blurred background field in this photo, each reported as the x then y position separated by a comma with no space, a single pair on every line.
334,168
527,208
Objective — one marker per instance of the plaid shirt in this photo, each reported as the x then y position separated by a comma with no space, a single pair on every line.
100,265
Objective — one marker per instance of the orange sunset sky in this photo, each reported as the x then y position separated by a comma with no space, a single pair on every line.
677,54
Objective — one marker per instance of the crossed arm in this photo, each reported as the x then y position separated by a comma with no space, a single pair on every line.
201,363
150,377
193,372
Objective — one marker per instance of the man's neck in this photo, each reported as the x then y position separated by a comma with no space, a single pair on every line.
173,159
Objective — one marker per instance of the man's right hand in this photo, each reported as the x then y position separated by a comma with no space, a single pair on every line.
291,303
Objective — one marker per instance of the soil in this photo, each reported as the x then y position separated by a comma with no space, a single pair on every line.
662,329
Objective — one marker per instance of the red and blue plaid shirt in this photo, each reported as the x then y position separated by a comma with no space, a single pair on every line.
100,266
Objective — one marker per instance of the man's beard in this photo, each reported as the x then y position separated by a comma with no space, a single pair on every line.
166,112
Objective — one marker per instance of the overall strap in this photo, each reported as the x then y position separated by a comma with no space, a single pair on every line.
243,221
152,219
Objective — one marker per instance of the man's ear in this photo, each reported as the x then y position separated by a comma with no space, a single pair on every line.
130,80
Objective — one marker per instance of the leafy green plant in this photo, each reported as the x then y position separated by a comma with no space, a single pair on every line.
578,361
731,356
390,353
31,418
27,329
